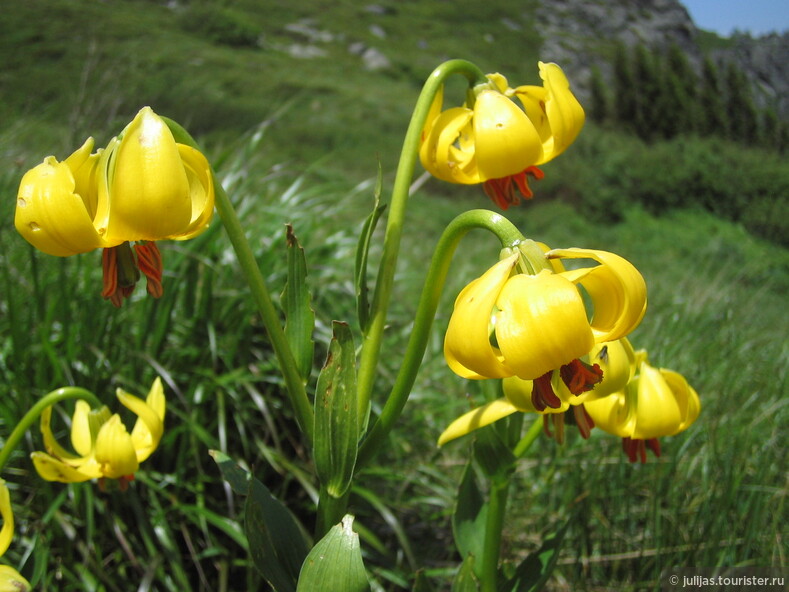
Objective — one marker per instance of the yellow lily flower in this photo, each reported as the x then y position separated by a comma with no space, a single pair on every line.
656,402
498,143
10,579
142,187
539,322
104,448
534,330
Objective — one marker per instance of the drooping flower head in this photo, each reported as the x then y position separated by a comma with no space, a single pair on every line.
142,187
104,448
656,402
539,329
495,141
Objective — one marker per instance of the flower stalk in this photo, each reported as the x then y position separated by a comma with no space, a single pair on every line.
260,293
51,398
371,347
509,235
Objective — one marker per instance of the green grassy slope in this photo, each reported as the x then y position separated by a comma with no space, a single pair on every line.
224,67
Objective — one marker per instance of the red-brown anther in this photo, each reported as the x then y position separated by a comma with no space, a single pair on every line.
122,266
583,420
502,191
580,377
637,449
557,419
149,260
542,394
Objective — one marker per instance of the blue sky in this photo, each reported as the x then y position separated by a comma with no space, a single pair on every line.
723,16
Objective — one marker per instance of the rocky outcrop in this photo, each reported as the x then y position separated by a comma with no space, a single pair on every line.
765,61
579,34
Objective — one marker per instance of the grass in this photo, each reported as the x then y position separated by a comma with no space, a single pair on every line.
717,310
716,497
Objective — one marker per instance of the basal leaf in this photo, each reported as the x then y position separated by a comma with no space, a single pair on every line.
468,520
335,562
362,253
336,419
296,299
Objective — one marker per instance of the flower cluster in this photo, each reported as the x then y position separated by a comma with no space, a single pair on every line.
142,187
494,141
557,338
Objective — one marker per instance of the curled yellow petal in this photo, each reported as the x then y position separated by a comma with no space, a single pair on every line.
612,414
53,469
439,153
147,183
686,396
506,141
50,443
6,513
656,408
12,581
81,438
201,191
617,360
114,450
467,347
563,111
617,289
541,324
51,215
477,418
149,427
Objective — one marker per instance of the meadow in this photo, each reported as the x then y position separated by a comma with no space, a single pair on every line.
717,314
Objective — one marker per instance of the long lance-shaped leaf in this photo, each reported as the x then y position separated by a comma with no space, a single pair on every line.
336,421
335,562
470,516
362,253
296,299
276,542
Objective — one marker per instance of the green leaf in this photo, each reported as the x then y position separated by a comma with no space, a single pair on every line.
299,316
362,252
491,452
236,476
277,544
336,421
534,571
468,520
465,580
335,563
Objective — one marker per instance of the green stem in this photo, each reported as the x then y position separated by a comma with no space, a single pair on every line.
528,439
497,504
61,394
371,346
330,511
508,234
257,285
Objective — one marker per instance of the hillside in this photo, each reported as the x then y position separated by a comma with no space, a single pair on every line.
83,67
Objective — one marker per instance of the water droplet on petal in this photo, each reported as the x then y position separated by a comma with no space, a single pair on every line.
21,202
34,226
